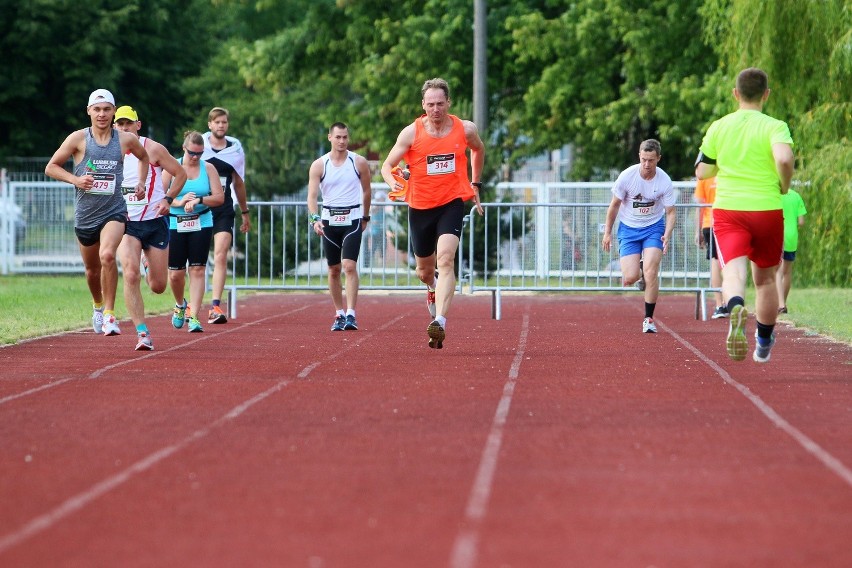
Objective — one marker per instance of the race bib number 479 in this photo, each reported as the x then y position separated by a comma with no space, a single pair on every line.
440,164
103,184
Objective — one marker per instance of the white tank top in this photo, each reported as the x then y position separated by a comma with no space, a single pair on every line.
147,208
341,185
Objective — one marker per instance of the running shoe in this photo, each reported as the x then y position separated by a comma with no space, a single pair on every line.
436,335
720,312
144,260
640,284
111,325
762,352
430,298
648,326
194,325
216,315
98,320
736,343
339,324
144,342
350,324
179,316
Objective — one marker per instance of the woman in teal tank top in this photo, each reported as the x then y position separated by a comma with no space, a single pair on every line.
191,229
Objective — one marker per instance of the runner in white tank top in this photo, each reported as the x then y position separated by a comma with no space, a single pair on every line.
147,229
343,177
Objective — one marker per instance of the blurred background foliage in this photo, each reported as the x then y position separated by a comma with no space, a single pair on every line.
598,75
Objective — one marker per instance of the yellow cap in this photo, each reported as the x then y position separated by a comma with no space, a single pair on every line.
126,112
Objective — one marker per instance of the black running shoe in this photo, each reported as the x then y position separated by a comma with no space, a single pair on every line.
350,324
339,324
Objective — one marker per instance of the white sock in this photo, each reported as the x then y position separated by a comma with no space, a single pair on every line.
340,313
442,320
350,312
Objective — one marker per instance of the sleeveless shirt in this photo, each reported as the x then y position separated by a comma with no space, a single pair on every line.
341,185
201,187
105,164
438,167
153,186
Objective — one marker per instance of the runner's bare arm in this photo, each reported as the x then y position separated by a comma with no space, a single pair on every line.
74,146
403,143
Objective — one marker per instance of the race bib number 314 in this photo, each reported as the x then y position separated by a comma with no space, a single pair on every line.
440,164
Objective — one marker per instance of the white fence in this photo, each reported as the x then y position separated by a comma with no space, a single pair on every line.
534,236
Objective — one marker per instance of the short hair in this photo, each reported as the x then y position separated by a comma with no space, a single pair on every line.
651,145
752,83
216,112
339,125
193,137
436,83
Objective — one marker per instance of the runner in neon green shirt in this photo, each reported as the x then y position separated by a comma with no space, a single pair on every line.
751,155
794,217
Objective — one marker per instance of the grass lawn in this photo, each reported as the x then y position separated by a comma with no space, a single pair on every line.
36,305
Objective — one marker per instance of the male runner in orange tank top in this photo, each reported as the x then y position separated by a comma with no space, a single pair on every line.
434,147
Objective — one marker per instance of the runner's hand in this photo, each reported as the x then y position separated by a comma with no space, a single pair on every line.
400,186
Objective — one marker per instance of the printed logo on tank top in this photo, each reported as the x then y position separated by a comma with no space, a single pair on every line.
440,164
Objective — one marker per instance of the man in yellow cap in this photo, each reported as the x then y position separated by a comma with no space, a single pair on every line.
147,231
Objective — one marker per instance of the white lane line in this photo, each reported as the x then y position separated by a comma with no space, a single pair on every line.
465,550
81,500
98,372
832,463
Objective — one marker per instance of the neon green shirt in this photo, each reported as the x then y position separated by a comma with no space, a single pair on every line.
741,143
794,207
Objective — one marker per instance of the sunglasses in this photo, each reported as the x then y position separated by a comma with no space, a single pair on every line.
194,154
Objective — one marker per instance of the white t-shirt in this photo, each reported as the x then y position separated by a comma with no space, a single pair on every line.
643,202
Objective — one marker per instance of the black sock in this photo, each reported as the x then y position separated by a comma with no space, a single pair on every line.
649,309
765,331
735,301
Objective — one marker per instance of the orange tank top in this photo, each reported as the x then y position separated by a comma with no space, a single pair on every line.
438,167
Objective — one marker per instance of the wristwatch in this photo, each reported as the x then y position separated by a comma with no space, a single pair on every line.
365,218
169,199
476,184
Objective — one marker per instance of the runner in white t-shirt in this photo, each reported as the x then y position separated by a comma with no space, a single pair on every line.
643,200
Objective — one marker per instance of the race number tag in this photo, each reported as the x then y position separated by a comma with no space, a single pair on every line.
643,208
440,164
129,194
224,180
339,217
104,184
188,223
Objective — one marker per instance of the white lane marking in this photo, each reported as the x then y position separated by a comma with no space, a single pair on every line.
81,500
832,463
98,372
465,549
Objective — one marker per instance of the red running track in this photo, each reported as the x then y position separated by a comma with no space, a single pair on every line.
558,436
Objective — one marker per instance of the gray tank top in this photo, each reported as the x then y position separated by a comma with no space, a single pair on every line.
106,164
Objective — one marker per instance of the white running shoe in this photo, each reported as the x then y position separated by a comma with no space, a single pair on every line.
648,326
111,326
98,320
144,343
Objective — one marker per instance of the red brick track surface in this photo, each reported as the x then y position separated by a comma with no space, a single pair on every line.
558,436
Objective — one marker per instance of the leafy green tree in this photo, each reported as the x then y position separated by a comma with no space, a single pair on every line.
54,53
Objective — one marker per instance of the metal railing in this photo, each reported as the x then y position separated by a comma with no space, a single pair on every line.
534,237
